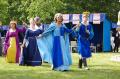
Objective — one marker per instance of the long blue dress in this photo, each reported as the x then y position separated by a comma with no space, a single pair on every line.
31,55
83,40
56,46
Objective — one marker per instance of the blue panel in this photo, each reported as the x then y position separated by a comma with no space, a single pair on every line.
106,36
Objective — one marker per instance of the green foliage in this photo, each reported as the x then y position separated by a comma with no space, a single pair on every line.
15,9
22,10
45,9
3,10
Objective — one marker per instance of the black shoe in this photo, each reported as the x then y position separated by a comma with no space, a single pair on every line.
80,63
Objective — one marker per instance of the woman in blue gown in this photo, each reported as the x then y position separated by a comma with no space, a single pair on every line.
56,44
85,34
30,53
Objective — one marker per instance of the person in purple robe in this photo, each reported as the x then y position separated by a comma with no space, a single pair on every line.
11,43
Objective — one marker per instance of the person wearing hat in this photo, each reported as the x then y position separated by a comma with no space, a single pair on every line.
85,34
11,43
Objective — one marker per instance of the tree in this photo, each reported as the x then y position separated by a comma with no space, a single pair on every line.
45,9
3,11
13,9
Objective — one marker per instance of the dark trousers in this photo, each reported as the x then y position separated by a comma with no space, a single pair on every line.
82,61
116,48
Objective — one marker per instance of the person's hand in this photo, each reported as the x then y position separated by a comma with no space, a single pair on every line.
24,24
23,45
77,25
87,31
39,36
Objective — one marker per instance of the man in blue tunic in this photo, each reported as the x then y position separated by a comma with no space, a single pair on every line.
85,34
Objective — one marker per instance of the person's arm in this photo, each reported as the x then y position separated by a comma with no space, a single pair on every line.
76,27
49,30
34,33
25,24
6,44
23,29
71,31
37,32
67,30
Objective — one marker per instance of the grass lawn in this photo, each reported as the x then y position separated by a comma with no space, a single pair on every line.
101,67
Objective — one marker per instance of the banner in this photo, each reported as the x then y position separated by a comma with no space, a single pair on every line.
66,18
76,18
96,18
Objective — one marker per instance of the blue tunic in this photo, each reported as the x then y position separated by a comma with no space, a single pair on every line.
83,40
30,54
56,46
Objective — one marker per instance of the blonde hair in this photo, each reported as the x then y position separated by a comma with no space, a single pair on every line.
57,15
13,22
31,19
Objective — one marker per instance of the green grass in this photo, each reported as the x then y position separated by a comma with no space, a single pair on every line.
101,67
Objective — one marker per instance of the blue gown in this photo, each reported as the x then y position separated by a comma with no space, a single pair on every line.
83,40
56,47
30,54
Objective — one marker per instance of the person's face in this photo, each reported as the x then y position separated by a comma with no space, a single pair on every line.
59,19
32,23
84,18
13,25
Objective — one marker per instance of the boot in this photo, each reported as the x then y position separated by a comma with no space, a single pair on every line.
80,63
85,64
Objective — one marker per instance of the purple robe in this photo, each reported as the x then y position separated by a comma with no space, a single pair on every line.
7,41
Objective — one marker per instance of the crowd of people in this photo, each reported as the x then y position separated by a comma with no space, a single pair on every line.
49,45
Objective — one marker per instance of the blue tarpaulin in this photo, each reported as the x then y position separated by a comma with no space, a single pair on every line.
105,33
114,25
